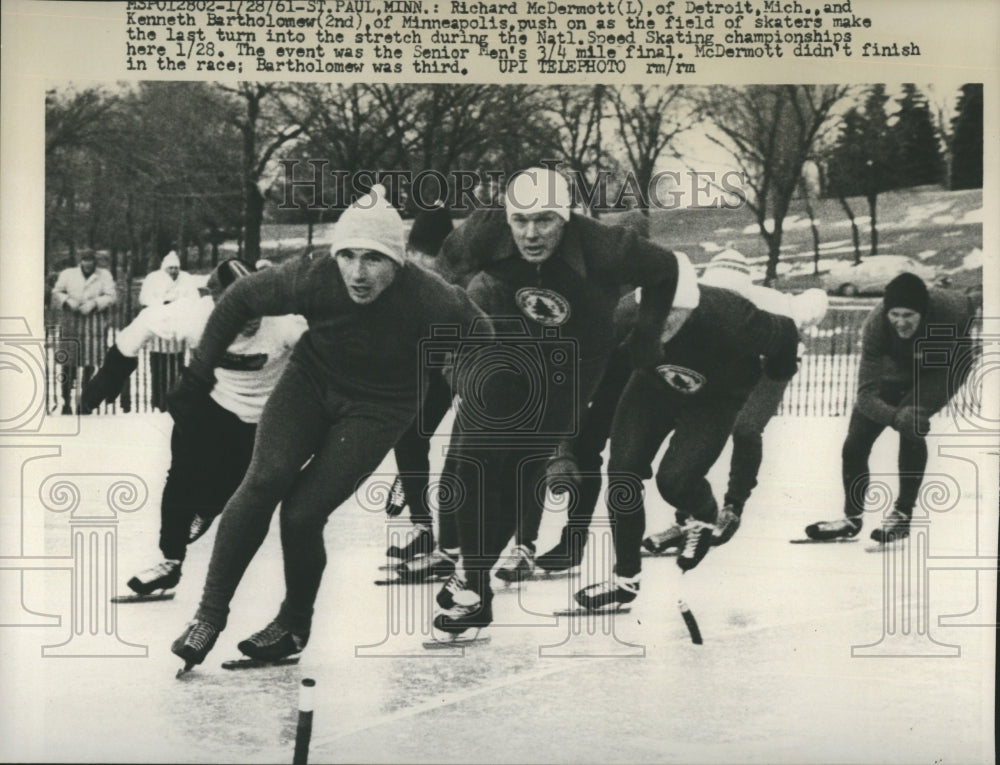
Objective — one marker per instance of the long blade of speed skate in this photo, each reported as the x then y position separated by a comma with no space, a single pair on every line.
836,540
259,663
459,642
143,598
581,611
671,553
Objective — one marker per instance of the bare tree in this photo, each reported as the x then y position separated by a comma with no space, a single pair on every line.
769,131
265,115
649,119
577,114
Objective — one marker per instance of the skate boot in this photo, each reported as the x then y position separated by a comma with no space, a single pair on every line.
608,596
425,568
727,522
421,543
471,611
519,565
671,539
163,576
454,591
698,537
828,531
195,642
895,527
199,525
567,554
272,643
396,500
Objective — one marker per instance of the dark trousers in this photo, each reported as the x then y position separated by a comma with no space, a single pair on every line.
164,370
69,375
346,439
207,464
594,434
413,449
748,442
861,436
503,487
647,413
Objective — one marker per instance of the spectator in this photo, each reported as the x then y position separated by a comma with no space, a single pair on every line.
159,288
82,295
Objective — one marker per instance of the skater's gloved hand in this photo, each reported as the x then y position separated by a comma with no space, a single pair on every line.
644,346
107,383
911,422
782,366
189,396
562,473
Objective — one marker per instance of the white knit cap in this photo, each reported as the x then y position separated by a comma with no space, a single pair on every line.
170,259
371,223
538,189
729,270
686,295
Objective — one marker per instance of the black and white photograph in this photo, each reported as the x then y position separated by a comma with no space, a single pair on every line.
479,417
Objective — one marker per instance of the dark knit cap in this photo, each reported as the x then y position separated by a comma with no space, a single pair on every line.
906,291
227,272
430,228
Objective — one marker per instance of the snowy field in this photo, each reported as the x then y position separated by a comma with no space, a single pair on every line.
811,654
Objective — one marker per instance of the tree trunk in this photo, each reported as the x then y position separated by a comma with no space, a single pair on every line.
252,221
773,254
872,202
815,229
855,234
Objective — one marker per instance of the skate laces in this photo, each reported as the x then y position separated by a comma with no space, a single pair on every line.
271,634
200,636
520,557
693,531
198,524
455,585
396,500
160,570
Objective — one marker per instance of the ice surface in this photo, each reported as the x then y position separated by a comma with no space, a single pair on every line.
774,682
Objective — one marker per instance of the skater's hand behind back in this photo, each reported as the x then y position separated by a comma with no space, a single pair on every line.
188,397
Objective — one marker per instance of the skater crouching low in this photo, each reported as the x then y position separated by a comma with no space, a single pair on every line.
348,393
899,388
708,362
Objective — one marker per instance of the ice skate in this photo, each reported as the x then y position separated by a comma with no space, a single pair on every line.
840,530
698,537
894,528
727,523
434,567
668,542
272,645
605,597
421,543
519,566
469,612
396,500
153,583
194,644
566,555
199,526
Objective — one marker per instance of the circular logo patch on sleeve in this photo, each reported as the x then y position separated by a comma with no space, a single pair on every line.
681,379
543,306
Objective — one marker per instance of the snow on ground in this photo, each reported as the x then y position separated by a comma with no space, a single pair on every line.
774,682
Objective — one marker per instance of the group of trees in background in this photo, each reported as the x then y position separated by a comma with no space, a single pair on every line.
145,168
